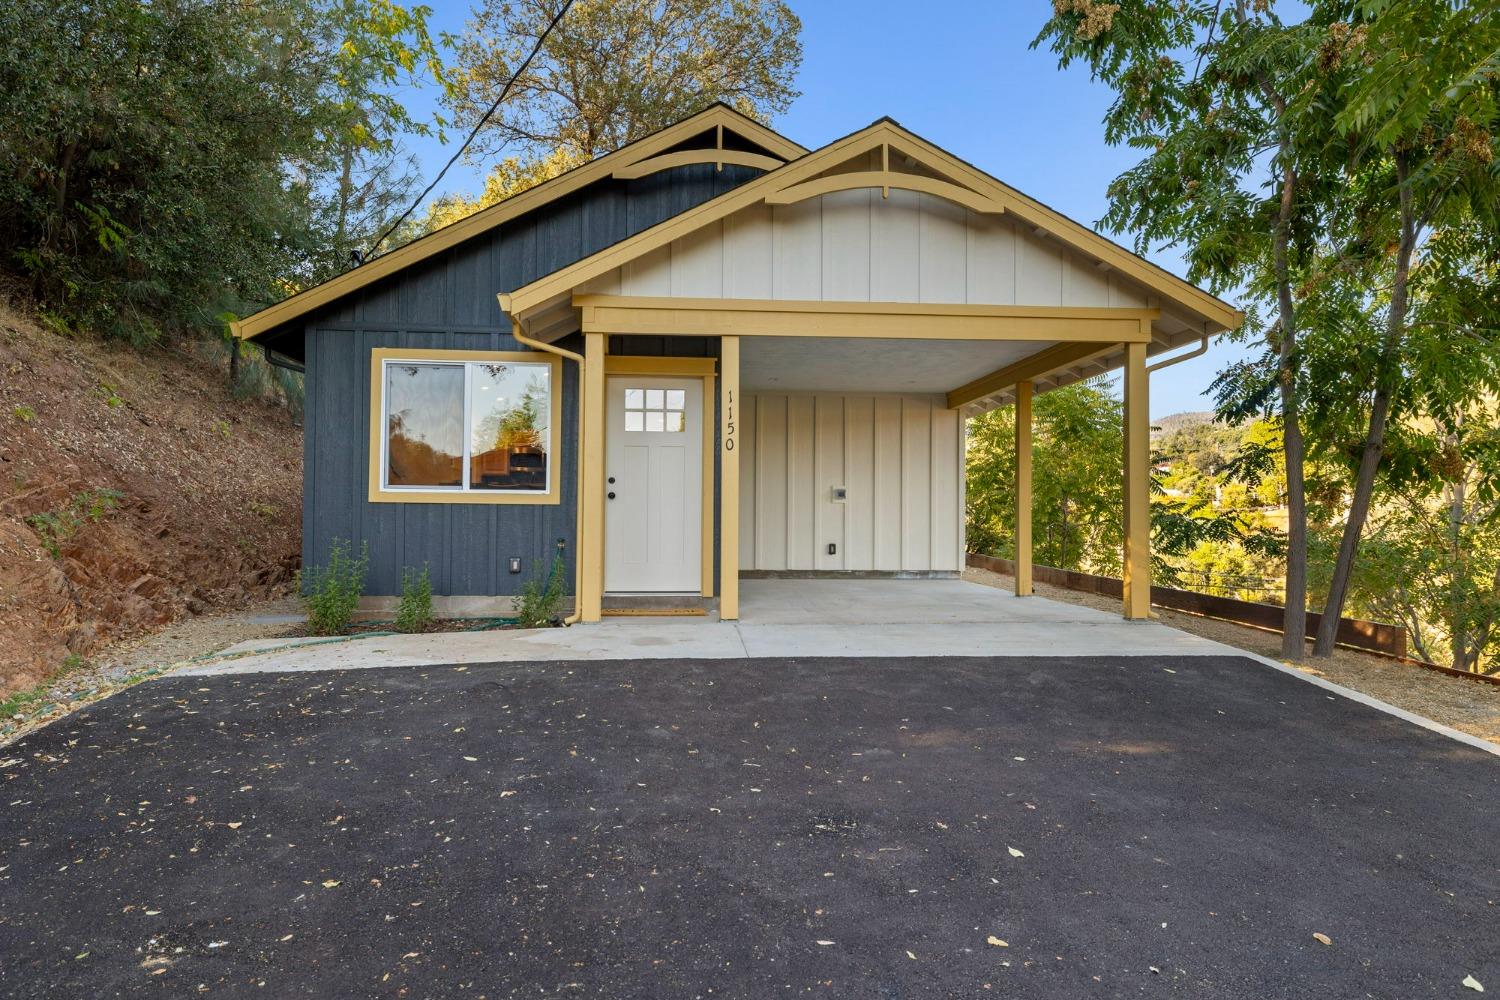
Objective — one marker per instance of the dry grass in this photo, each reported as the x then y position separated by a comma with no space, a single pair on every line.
1469,706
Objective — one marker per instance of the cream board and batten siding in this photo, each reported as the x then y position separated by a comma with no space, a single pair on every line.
856,246
899,457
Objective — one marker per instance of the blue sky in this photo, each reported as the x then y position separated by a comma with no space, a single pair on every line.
963,76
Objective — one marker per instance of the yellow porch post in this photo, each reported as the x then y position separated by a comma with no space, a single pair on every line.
591,585
1137,555
729,478
1023,489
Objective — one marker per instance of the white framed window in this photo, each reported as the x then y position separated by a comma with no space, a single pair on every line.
464,426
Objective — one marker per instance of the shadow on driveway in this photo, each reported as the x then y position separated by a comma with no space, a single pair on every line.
750,828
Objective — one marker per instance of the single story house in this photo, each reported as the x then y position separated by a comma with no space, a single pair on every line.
711,353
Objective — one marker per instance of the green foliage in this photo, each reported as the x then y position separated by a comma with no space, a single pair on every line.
541,599
414,613
24,413
163,163
1077,445
331,593
55,527
612,72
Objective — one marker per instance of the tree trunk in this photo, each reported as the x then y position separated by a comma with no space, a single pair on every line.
1294,611
1380,409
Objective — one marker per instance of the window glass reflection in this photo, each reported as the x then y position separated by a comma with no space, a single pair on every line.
508,432
424,424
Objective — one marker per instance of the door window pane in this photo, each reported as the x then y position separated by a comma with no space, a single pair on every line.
656,410
509,439
424,424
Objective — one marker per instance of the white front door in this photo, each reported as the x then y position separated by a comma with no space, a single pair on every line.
653,481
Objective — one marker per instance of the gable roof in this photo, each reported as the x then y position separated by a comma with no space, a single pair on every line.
820,172
633,160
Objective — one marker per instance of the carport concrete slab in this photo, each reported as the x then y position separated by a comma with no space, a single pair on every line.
868,618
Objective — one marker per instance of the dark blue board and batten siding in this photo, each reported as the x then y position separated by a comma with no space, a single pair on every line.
447,302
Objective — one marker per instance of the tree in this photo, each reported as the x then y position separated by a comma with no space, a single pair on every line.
1415,96
611,72
166,163
361,175
1207,91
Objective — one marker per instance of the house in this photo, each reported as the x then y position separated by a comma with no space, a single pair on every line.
711,353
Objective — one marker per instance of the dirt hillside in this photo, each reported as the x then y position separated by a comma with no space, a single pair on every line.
134,490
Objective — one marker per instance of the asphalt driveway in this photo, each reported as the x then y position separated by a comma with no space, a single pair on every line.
1023,827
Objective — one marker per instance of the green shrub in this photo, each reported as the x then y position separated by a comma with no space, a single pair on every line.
54,527
332,592
540,599
414,613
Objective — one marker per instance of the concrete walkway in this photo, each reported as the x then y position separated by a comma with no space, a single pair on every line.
785,618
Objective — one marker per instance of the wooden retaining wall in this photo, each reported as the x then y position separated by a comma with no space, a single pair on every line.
1378,637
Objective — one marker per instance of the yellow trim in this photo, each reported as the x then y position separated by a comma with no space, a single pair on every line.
1023,489
904,320
706,584
729,479
377,492
559,283
885,180
1027,368
1136,561
626,364
688,157
591,579
488,218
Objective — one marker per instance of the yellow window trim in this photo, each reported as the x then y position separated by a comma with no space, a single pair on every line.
488,218
378,493
875,138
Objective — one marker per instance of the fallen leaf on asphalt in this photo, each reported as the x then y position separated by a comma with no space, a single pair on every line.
83,954
507,793
997,942
824,944
234,826
1473,984
471,759
1322,938
287,938
331,883
1015,853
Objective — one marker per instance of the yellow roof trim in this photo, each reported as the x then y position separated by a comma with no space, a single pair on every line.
487,218
560,283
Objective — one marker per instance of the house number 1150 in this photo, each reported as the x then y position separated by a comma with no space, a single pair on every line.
729,420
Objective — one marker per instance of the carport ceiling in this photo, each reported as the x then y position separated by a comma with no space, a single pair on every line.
808,364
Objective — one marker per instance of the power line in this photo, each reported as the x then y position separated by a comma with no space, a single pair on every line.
483,120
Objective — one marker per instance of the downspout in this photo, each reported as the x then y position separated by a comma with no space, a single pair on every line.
521,338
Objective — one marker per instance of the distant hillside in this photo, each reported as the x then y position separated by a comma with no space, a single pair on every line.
134,489
1177,421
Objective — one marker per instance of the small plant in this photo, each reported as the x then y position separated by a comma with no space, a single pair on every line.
110,395
540,600
221,428
414,613
23,413
332,592
54,527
